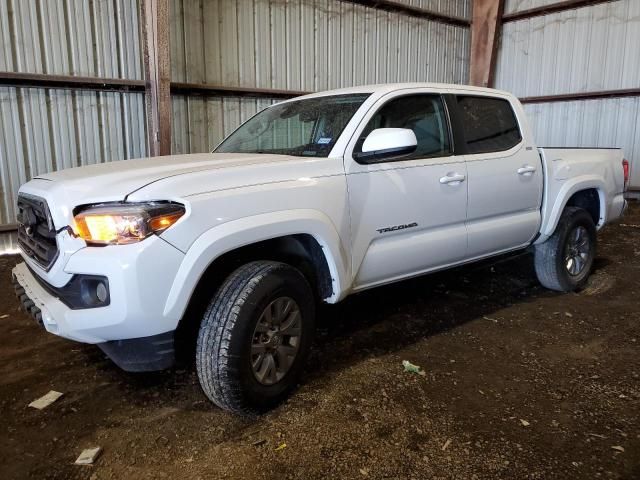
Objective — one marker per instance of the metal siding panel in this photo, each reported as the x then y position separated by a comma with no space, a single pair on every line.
194,41
306,45
86,113
215,126
8,243
246,44
262,27
12,161
322,41
310,45
129,32
381,47
346,43
334,45
359,60
54,46
457,8
197,127
581,50
308,60
231,112
293,35
179,125
278,46
62,129
105,39
82,53
594,123
37,146
512,6
177,41
25,21
6,57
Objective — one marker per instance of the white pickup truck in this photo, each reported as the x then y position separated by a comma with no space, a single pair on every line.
312,199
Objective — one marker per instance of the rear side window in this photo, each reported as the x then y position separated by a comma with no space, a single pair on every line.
489,124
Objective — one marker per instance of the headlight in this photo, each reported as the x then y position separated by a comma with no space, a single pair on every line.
122,223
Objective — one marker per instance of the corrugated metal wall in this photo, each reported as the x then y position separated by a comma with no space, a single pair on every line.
456,8
582,50
299,45
45,130
512,6
281,44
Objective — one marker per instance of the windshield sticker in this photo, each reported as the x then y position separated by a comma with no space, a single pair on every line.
324,140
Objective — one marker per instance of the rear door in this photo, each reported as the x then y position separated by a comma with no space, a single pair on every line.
505,176
407,212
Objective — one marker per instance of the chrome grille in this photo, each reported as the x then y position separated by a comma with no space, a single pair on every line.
36,233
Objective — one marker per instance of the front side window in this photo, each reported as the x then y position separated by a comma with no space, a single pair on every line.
489,124
424,114
307,128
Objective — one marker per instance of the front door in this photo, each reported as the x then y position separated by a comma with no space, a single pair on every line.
407,212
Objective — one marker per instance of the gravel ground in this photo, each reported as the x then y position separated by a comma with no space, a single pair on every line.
520,383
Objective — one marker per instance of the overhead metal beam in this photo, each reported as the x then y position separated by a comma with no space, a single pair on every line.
208,89
572,97
549,9
157,66
485,33
391,6
65,82
9,227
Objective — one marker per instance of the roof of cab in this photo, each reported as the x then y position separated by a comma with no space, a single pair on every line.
384,88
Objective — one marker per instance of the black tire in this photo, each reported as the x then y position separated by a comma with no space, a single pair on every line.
551,256
224,347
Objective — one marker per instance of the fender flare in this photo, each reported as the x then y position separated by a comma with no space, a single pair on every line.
572,186
231,235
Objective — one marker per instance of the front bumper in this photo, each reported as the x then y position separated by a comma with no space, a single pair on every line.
139,276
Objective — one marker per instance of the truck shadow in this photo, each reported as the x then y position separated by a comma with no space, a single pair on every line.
390,318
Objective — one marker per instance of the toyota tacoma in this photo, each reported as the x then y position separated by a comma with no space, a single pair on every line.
310,200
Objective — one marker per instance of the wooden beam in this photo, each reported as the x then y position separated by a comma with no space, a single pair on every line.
572,97
485,32
549,9
64,82
391,6
157,66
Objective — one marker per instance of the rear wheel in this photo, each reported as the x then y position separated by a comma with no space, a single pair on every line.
255,337
565,260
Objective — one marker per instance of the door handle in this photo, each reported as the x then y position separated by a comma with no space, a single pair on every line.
526,170
452,179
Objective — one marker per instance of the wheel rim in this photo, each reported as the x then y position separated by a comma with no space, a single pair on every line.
276,340
577,251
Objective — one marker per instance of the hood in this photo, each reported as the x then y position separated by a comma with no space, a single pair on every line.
126,176
116,181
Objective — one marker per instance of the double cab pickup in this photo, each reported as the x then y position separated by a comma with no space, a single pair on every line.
310,200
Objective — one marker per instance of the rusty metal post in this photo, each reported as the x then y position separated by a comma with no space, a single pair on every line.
157,67
485,32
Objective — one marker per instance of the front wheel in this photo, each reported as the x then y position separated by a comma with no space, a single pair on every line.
564,262
255,337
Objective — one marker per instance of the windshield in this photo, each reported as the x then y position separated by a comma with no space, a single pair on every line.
307,128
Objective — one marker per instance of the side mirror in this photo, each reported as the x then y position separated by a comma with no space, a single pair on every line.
387,142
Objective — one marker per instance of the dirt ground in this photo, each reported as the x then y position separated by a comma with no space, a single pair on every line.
520,383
